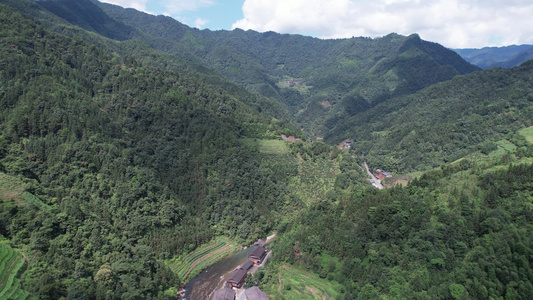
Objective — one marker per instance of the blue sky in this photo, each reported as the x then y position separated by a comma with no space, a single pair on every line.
452,23
212,14
220,15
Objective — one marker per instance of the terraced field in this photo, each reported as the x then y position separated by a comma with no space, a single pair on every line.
294,283
11,264
191,265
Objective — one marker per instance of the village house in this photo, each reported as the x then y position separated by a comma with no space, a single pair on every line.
260,243
247,265
290,138
347,144
257,254
237,278
225,293
380,174
253,293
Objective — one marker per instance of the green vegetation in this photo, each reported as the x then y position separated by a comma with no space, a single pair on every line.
191,265
462,230
272,147
444,122
295,283
527,133
11,266
135,151
355,73
12,189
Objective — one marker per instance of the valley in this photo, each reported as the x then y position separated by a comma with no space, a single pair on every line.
138,154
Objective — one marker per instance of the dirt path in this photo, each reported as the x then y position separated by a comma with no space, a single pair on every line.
376,182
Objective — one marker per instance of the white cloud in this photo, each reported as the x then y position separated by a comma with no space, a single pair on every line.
199,23
137,4
453,23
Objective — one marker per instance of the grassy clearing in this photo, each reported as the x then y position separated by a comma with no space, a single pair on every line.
506,145
527,133
12,189
273,147
11,263
294,283
192,264
276,147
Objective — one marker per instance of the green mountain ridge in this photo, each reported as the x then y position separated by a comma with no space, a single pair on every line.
126,153
260,61
120,154
444,122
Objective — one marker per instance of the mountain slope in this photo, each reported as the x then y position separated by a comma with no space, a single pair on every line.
134,164
87,15
134,157
316,70
506,57
443,122
518,58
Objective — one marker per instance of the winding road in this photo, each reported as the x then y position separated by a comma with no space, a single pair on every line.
375,182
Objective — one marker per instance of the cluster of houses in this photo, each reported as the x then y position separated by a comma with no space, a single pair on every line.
289,138
345,145
296,81
238,277
253,293
380,174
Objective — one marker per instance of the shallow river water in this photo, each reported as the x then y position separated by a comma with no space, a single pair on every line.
203,286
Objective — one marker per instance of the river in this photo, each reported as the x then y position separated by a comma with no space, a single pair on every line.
202,286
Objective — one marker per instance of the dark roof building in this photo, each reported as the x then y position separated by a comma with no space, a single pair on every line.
225,293
254,293
257,254
236,279
260,243
247,265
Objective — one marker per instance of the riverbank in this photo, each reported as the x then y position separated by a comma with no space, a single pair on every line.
202,286
190,265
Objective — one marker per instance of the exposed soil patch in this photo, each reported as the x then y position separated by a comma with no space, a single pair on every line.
312,290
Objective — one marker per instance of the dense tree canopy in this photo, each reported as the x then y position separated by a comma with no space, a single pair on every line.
128,140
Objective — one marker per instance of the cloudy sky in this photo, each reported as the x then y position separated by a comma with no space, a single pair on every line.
452,23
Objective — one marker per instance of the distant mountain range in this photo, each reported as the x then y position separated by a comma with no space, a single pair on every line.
505,57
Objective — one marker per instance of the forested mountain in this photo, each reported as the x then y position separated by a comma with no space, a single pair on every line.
460,232
127,163
308,75
444,122
127,141
505,57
